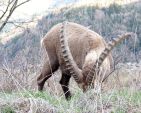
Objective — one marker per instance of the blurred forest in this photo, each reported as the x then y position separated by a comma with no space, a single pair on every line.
107,21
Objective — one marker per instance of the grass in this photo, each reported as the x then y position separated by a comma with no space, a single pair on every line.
58,102
120,101
7,109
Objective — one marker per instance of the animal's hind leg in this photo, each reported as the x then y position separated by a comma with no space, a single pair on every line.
47,70
65,85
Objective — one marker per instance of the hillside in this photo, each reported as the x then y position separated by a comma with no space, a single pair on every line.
108,21
21,59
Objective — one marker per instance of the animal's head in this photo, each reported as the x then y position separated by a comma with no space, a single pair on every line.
88,78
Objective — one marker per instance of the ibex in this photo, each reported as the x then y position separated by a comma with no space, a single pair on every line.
79,52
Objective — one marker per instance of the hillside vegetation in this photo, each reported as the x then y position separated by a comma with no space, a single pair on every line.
108,22
22,58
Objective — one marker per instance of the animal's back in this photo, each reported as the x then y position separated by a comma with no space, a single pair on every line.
80,39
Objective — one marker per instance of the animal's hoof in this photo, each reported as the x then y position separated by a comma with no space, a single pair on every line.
40,88
68,96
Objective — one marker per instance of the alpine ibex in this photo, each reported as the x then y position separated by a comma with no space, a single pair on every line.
79,52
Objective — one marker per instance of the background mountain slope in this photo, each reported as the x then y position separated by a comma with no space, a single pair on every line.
107,21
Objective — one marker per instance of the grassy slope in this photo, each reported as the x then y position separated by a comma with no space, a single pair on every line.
122,101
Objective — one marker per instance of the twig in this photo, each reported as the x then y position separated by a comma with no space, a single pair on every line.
114,67
22,3
4,12
14,6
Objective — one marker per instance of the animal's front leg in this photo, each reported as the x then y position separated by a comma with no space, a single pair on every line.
65,85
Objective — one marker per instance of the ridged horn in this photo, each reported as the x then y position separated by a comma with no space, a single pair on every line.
71,65
104,54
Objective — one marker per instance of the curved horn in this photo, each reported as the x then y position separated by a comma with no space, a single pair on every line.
104,54
69,61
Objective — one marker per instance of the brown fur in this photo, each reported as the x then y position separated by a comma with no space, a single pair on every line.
85,46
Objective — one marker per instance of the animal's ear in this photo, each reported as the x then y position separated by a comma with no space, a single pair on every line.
67,56
105,53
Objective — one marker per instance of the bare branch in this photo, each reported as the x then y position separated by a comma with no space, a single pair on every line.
9,15
17,25
2,11
5,10
13,7
22,3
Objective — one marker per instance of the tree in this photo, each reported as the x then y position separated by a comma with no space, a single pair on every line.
8,7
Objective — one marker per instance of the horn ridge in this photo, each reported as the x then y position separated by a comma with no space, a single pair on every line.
71,66
105,53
